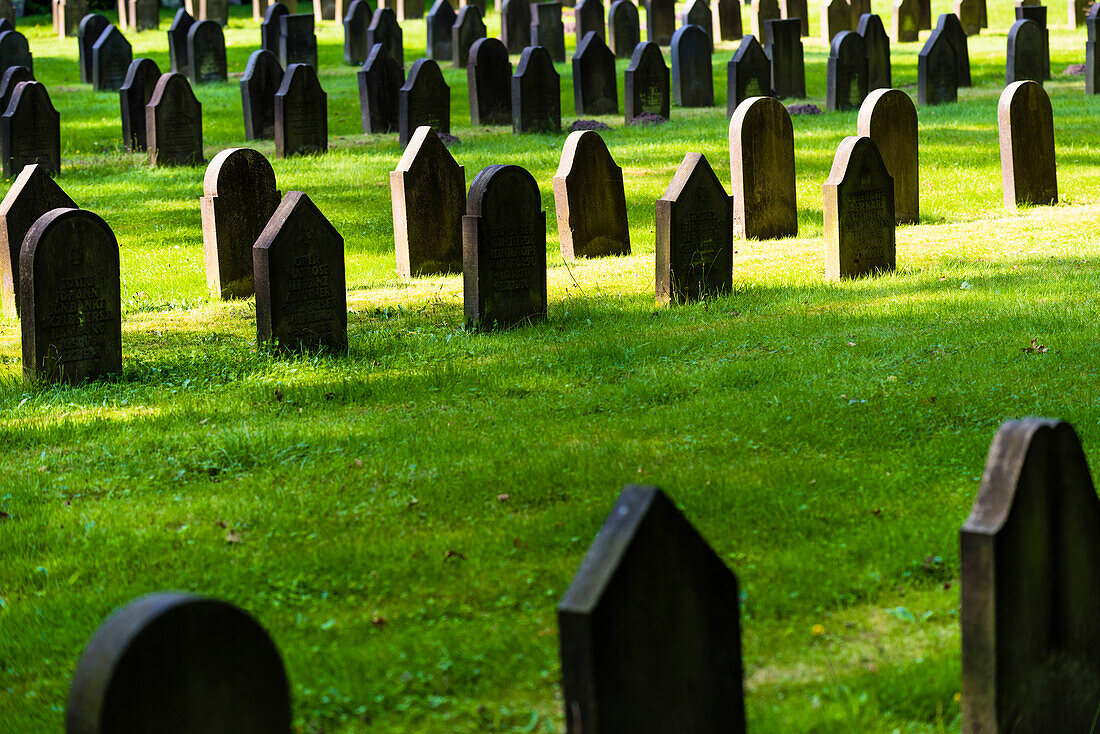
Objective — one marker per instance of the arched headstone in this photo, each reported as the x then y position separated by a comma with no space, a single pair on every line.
489,82
889,118
536,93
590,199
547,29
623,29
762,177
9,80
384,29
859,212
748,74
1026,123
468,28
1025,52
173,123
15,51
1038,14
30,131
698,13
877,43
763,11
380,80
595,88
301,113
261,79
969,13
356,21
269,28
647,82
206,52
846,72
136,90
937,71
692,74
439,21
424,99
588,16
88,32
787,59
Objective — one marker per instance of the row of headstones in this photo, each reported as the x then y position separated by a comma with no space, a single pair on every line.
650,627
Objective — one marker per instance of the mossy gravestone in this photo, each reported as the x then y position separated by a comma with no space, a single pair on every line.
467,29
439,21
9,80
489,81
240,199
173,123
889,118
836,16
428,195
846,72
647,82
297,41
590,199
356,21
301,113
937,71
503,250
694,251
515,25
650,627
1025,53
32,194
206,52
135,93
1030,599
269,27
692,74
177,42
904,21
424,99
301,297
877,43
111,57
547,29
595,90
179,664
949,25
261,79
69,298
787,59
384,29
859,212
88,32
536,93
762,178
748,74
1026,124
30,131
380,80
15,51
588,16
660,21
623,28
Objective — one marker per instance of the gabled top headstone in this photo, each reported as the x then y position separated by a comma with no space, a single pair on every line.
588,16
647,82
952,29
261,79
1025,53
15,51
439,21
846,72
1026,123
748,74
536,93
623,28
859,212
206,52
515,25
879,74
547,29
762,177
269,28
356,21
889,118
692,75
301,113
177,42
595,89
424,99
111,57
380,80
489,82
937,71
468,28
385,29
30,131
173,123
590,199
88,32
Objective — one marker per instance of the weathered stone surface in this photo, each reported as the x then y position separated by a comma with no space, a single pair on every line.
694,250
697,12
595,89
136,90
650,576
1038,13
206,53
1025,52
836,16
297,41
787,59
439,21
1092,63
1026,124
727,20
692,74
950,27
261,79
468,28
879,73
11,78
30,131
515,25
173,123
270,26
846,73
88,32
424,99
937,71
177,42
428,195
905,22
647,82
859,212
15,51
385,30
503,250
763,11
623,28
969,13
660,21
590,199
547,29
380,80
762,177
301,296
111,57
748,74
144,15
889,118
301,113
489,81
240,198
536,93
356,21
588,16
69,298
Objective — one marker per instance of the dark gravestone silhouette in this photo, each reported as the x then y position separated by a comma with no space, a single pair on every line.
489,80
176,663
588,16
748,74
136,90
69,298
889,118
1078,10
111,57
301,113
385,30
482,6
660,21
924,19
215,10
787,60
32,194
698,13
623,29
88,32
727,20
356,21
647,82
858,9
949,25
428,194
503,250
144,15
11,78
328,10
379,79
1025,52
536,93
468,28
547,29
595,89
650,628
67,15
762,178
692,74
694,251
261,79
876,41
937,71
173,123
30,131
515,25
14,51
424,99
905,21
1038,13
6,9
177,42
1029,597
269,28
859,212
1092,64
969,13
206,53
439,21
297,41
301,296
590,199
763,11
836,16
846,73
1026,124
240,197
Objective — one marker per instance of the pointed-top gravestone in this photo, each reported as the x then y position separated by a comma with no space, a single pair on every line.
385,30
1025,52
177,42
297,40
762,178
301,296
660,21
144,15
261,79
694,250
846,73
623,29
428,194
136,90
380,80
30,131
762,12
969,13
1026,123
468,28
9,80
788,62
1038,13
650,627
859,212
424,99
88,32
269,28
588,16
905,21
879,74
937,71
536,93
1029,595
173,123
503,250
206,52
836,16
692,75
748,74
949,25
889,118
69,298
439,22
15,51
301,113
515,25
356,21
647,82
698,13
489,81
595,91
111,57
547,29
727,20
32,194
590,199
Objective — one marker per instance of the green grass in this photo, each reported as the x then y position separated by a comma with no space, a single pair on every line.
409,515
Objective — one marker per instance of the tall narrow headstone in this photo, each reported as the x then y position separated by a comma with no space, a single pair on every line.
692,74
969,13
67,15
515,25
1092,62
145,15
727,19
762,177
879,74
261,79
111,57
356,21
1038,13
206,53
1025,52
88,32
9,80
905,21
1026,124
763,11
623,29
698,13
748,74
859,212
30,131
547,29
590,199
836,16
889,118
297,40
301,113
177,42
385,30
489,81
269,28
937,71
647,82
846,73
660,21
439,21
588,16
173,123
424,99
136,90
15,51
787,59
536,93
467,29
595,89
380,79
924,15
949,25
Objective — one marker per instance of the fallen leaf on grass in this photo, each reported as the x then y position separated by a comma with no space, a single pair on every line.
232,537
1035,348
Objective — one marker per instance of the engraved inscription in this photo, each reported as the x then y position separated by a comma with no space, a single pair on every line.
867,226
513,254
309,300
76,323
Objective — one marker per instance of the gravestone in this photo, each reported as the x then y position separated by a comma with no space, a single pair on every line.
937,71
660,21
428,194
1026,124
124,21
30,131
173,123
646,82
177,42
297,41
924,15
1038,13
1025,52
727,19
467,29
173,662
145,15
692,74
1092,64
32,194
969,13
787,60
215,10
515,25
952,29
889,118
385,30
439,21
206,53
134,94
14,51
379,79
536,93
846,73
623,29
11,77
88,32
588,16
489,81
595,89
301,296
424,99
763,11
6,24
694,250
355,32
482,6
836,16
503,249
859,8
547,29
261,79
859,212
698,13
748,74
111,57
269,28
240,197
301,113
1077,11
327,10
410,9
1029,601
590,199
67,15
762,177
650,628
905,22
879,75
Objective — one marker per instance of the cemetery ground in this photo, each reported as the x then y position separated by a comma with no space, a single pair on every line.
404,519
